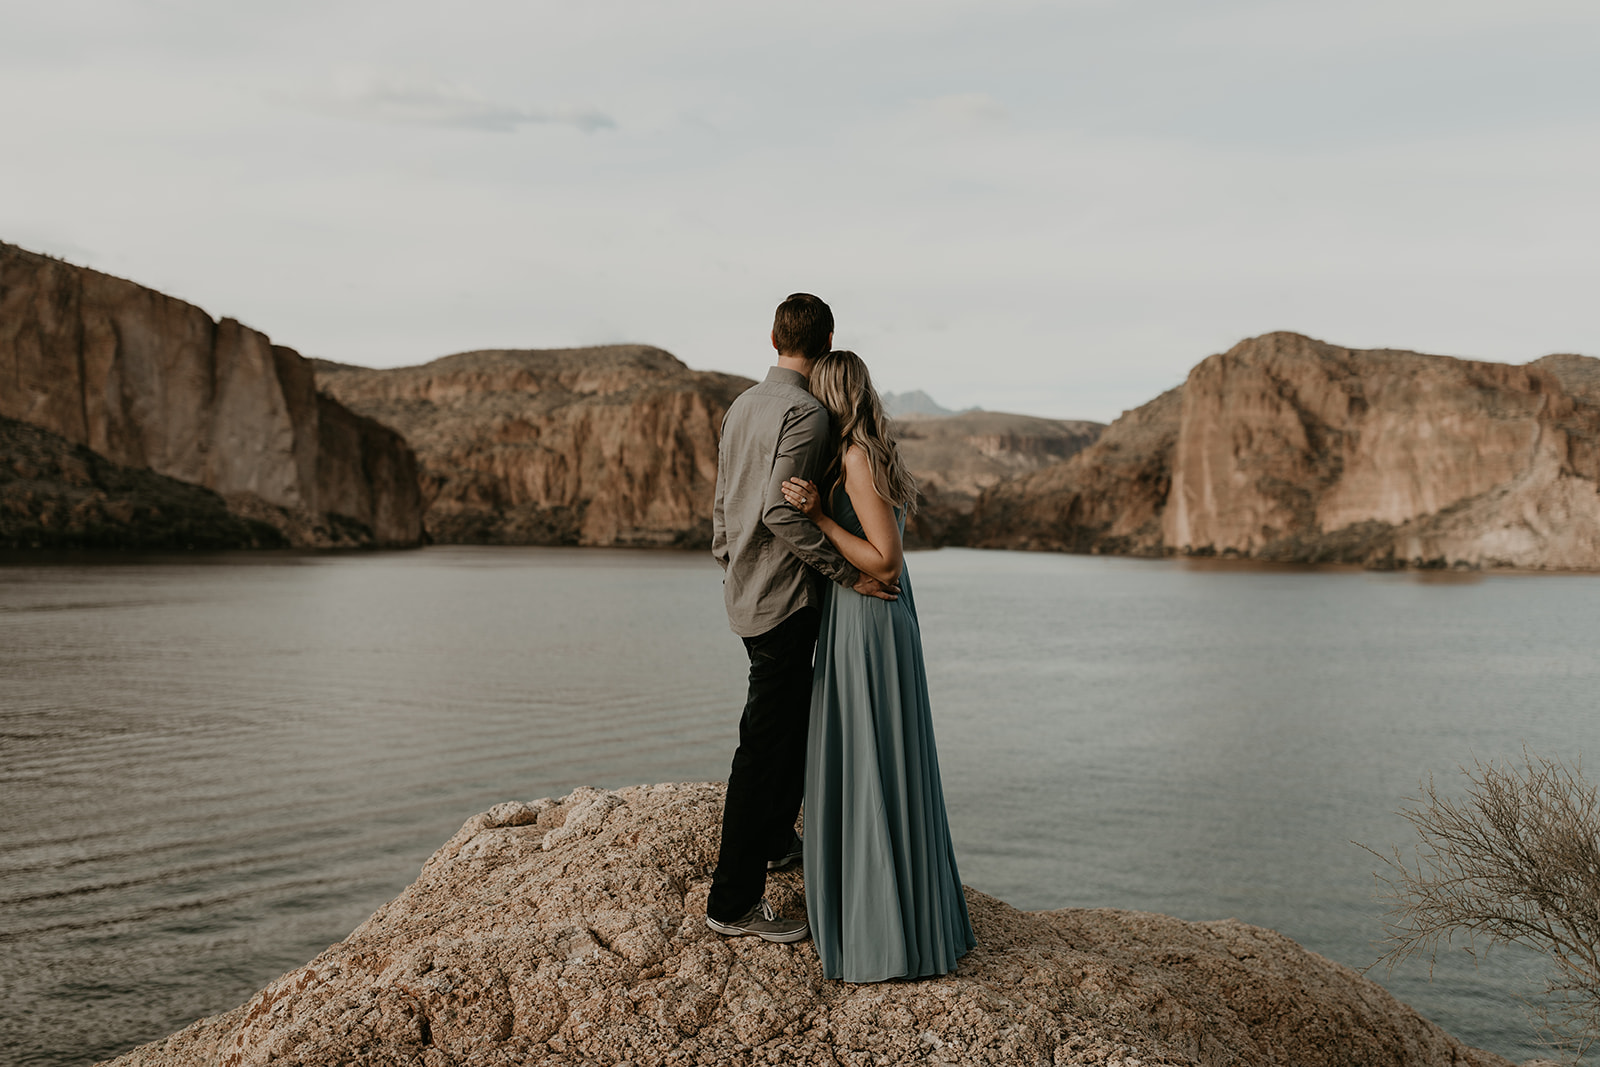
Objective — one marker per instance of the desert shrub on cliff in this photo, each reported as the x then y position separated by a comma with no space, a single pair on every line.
1517,861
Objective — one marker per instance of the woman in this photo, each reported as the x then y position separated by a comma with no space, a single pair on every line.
882,891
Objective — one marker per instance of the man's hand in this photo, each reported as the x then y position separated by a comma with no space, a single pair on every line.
867,585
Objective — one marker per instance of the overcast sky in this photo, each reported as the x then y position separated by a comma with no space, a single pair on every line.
1048,208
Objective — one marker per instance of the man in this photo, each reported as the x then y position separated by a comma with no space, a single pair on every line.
775,559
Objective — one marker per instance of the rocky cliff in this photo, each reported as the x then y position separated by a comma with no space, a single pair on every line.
1109,497
571,931
618,446
956,457
1286,448
55,494
150,382
614,445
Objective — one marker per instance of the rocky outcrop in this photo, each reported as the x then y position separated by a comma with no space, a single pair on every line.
55,494
589,446
571,931
150,382
1286,448
1295,449
956,457
1108,498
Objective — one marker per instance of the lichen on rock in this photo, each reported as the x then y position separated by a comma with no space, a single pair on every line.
571,931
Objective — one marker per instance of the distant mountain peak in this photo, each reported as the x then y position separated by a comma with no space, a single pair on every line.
916,402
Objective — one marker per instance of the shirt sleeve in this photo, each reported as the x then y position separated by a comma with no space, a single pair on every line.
802,451
719,525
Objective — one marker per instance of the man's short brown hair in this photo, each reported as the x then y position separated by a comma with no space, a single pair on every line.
802,326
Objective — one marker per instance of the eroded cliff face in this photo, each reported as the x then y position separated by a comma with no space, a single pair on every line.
1291,448
148,381
572,931
1286,448
615,445
956,457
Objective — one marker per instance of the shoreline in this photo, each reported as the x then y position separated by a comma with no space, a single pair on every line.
21,557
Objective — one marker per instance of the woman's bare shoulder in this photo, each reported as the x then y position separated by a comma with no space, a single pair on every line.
856,461
859,479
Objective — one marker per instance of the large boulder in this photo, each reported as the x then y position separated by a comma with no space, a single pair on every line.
571,931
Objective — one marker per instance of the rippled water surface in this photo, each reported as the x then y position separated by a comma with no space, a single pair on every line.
214,767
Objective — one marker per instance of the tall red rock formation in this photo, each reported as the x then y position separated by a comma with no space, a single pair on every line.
149,381
1292,448
1286,448
615,445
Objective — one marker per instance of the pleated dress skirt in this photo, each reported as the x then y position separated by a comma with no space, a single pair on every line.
883,894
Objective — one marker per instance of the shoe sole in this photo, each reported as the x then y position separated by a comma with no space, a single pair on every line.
739,931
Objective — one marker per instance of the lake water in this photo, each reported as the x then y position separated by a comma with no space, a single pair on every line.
213,767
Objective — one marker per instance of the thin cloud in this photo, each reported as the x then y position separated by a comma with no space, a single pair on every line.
967,110
370,97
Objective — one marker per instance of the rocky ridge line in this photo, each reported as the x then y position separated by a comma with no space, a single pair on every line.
609,446
617,445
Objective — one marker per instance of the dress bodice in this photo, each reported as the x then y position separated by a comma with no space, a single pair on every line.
844,512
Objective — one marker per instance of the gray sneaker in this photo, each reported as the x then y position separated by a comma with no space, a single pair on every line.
763,923
796,851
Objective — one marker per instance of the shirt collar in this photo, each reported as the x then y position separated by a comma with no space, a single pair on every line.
785,376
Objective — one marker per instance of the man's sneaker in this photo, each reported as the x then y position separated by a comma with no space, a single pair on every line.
763,923
796,850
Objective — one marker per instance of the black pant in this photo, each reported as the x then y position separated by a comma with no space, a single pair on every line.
768,779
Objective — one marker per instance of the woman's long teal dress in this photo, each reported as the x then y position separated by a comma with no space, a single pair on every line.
882,891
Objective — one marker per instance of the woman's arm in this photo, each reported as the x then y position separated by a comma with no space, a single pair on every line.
881,553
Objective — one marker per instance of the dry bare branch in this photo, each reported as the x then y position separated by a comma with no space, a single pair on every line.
1516,861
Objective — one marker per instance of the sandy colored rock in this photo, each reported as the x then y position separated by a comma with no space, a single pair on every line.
956,457
1286,448
148,381
1291,448
571,931
615,445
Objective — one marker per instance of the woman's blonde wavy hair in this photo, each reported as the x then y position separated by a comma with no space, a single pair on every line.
840,380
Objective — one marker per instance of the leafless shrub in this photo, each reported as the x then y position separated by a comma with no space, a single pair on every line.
1515,862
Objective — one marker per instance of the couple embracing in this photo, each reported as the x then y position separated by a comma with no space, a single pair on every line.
847,730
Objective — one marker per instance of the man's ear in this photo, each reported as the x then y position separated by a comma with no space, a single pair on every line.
830,340
775,348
